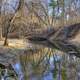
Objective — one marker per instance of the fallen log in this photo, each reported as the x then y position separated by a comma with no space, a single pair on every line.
64,39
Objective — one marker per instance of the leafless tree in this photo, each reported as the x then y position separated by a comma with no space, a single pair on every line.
60,38
8,18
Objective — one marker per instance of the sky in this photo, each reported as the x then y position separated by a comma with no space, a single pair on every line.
9,6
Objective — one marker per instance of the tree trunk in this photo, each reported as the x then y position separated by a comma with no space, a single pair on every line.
0,33
6,36
6,41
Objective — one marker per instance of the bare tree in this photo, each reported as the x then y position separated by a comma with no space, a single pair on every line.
60,38
9,17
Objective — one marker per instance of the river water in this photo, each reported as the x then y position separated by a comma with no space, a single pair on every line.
47,65
51,66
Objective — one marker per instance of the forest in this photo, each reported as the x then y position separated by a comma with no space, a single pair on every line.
39,39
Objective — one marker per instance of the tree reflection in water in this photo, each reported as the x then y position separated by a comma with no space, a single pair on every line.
18,70
45,65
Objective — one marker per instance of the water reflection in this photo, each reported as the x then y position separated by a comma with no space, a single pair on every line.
18,70
45,65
